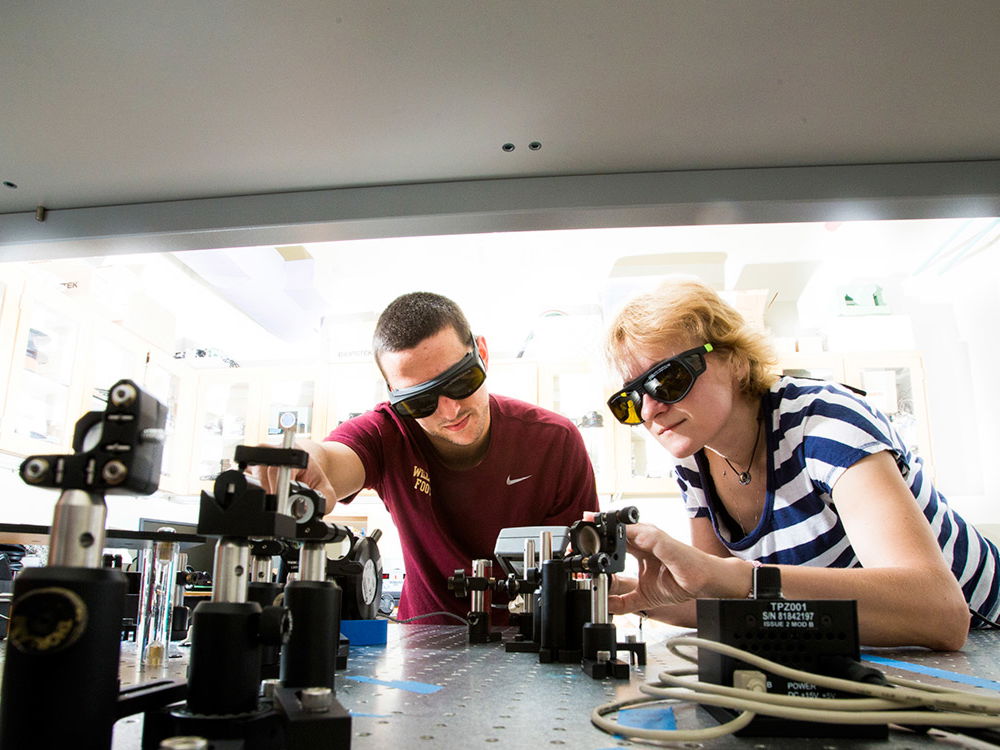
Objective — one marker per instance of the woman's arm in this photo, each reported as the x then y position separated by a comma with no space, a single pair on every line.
905,591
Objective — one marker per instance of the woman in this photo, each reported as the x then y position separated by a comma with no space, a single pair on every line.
801,474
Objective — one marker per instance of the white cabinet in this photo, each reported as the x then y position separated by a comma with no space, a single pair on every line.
893,383
171,383
576,390
62,356
45,390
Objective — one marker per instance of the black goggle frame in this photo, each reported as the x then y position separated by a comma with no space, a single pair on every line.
421,400
626,404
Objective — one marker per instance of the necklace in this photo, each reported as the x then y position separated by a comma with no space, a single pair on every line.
747,528
743,477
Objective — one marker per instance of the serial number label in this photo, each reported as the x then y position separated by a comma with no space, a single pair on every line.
788,615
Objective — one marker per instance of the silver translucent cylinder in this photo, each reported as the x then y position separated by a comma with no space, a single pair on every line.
229,572
156,602
77,536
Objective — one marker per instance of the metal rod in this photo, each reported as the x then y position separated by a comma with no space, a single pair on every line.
285,472
77,536
479,597
260,566
229,573
599,599
529,562
546,542
182,561
312,562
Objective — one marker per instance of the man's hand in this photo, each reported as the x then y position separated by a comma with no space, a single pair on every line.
313,476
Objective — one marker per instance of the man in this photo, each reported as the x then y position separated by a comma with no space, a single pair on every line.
452,463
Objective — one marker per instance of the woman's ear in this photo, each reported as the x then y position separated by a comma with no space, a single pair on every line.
740,369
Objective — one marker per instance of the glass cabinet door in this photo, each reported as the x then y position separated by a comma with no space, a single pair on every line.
295,396
174,388
44,400
820,365
224,421
8,334
577,392
894,384
113,358
649,467
355,387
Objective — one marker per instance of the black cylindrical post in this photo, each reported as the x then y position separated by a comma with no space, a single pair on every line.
62,651
578,615
224,671
310,656
555,582
600,638
266,594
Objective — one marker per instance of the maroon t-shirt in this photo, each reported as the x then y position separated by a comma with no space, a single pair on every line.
536,472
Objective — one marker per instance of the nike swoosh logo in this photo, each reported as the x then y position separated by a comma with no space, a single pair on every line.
515,481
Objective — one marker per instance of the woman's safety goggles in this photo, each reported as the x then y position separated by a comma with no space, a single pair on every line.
459,381
668,382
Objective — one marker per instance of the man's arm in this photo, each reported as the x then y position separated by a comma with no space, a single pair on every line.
334,470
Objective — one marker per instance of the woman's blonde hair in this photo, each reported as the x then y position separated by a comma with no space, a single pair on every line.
686,307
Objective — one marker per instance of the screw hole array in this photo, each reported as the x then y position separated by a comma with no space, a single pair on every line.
533,146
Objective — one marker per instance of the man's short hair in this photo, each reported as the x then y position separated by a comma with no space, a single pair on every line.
413,317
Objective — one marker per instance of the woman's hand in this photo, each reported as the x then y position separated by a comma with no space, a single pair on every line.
672,573
668,571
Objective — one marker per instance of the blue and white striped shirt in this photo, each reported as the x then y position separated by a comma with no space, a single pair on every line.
815,431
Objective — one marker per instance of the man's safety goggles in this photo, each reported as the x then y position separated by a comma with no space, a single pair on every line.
668,382
459,381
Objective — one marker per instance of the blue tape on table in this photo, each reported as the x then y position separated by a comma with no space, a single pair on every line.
423,688
648,718
934,672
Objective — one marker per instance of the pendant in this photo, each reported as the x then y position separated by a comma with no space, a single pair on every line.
743,478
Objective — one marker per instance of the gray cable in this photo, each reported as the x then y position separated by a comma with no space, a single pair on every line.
429,614
961,708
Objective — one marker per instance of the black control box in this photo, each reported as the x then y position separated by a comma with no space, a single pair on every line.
819,636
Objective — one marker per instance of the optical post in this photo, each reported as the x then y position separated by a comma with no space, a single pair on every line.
65,627
230,633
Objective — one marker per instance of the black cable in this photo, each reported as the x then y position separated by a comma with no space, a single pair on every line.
987,620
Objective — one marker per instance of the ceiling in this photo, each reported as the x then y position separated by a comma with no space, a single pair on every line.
134,118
